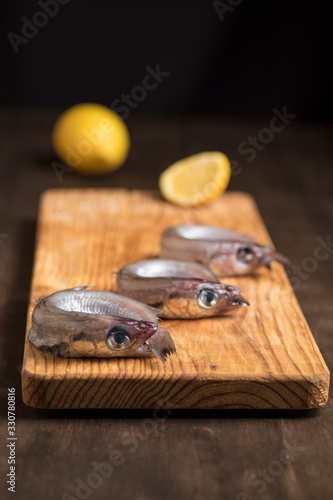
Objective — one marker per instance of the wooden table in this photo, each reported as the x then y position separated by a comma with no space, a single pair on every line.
144,455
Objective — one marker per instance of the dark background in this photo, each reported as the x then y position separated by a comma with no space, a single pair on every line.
264,54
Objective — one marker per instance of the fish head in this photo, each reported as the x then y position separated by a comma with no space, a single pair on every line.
244,257
251,256
109,337
216,298
129,334
199,298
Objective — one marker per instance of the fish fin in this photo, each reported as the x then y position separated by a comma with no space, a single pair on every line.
78,288
41,302
155,310
161,344
229,235
32,336
209,233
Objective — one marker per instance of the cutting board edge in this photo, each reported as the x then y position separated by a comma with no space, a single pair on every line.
318,380
301,392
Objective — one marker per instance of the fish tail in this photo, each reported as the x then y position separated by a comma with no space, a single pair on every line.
161,344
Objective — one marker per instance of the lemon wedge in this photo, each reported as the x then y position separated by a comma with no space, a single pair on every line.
196,180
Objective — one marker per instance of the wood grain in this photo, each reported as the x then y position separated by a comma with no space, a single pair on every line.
260,357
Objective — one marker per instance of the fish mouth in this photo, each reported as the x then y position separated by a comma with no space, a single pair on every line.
278,257
144,331
240,301
233,298
161,344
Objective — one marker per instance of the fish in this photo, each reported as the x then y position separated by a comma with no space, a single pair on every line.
179,289
90,323
224,252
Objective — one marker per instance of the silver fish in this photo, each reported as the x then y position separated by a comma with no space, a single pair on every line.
226,253
91,323
180,289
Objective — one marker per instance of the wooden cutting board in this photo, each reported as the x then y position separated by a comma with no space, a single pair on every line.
259,357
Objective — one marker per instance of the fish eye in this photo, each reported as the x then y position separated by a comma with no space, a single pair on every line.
118,338
207,298
245,254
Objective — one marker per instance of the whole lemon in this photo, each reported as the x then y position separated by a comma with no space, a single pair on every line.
91,138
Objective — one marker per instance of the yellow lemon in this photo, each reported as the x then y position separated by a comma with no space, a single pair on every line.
197,179
91,138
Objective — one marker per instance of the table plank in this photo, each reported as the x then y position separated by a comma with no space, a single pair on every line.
191,454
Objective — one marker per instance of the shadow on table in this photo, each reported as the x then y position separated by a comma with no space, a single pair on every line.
165,414
15,310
